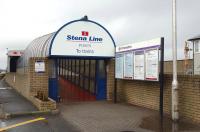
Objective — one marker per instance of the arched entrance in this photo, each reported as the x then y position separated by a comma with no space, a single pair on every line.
81,79
79,51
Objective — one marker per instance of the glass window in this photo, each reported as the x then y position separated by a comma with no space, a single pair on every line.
93,68
73,71
101,69
87,68
70,70
197,46
77,72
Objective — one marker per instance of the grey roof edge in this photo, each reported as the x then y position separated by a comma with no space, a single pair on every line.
194,38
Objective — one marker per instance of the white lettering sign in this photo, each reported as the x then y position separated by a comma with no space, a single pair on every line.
83,38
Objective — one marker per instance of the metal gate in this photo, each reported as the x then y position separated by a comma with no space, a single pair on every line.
81,79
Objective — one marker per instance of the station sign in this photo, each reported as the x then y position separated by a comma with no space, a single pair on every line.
140,60
83,38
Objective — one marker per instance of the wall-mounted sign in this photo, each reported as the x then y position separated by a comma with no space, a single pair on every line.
83,38
141,60
152,64
128,65
40,66
139,65
119,66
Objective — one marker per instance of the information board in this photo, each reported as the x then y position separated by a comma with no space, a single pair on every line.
151,72
141,60
119,66
139,65
39,66
128,65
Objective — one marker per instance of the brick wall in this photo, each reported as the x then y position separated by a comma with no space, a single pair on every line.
38,81
180,64
21,82
27,82
146,94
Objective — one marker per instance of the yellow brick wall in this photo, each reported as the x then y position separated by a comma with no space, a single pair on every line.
110,79
38,81
28,82
180,64
21,83
146,94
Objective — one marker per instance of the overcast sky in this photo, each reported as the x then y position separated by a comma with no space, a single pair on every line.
128,21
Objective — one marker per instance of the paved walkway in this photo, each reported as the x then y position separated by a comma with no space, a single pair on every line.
12,102
108,117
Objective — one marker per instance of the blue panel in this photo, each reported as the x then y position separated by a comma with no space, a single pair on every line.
53,89
101,89
101,80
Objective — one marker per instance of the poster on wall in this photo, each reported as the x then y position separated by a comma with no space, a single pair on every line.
128,65
152,65
139,65
39,66
119,62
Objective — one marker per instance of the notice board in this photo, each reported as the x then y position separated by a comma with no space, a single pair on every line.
138,61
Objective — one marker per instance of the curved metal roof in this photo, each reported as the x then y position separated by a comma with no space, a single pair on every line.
39,47
42,46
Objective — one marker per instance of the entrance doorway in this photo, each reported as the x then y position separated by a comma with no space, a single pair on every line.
81,79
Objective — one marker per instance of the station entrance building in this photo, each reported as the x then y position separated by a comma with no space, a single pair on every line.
75,64
68,65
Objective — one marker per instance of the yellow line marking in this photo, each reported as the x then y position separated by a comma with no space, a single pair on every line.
22,123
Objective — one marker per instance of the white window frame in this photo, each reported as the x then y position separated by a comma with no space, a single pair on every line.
197,43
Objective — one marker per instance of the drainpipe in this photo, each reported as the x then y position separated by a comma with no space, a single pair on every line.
175,114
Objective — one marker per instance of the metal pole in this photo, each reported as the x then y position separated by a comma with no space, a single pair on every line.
175,115
115,85
161,77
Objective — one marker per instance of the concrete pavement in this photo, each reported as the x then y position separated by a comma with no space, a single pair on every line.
12,102
103,116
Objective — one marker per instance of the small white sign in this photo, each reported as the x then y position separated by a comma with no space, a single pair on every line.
39,66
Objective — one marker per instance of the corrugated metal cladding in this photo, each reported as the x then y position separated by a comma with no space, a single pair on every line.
39,47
